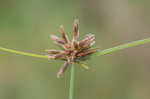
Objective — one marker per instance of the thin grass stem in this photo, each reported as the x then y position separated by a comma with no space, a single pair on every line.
23,53
123,46
72,77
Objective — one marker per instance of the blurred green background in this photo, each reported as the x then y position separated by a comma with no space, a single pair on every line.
26,25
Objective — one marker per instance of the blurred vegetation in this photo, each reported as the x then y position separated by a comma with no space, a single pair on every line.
26,25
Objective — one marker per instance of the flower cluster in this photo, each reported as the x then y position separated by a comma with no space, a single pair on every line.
72,50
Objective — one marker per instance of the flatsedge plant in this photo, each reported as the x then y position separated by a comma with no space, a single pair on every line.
95,52
71,50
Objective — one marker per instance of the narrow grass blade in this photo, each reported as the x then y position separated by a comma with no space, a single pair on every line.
123,46
23,53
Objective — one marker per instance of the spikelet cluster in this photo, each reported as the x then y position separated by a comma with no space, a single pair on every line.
72,49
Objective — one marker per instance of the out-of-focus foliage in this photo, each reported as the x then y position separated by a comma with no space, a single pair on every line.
26,25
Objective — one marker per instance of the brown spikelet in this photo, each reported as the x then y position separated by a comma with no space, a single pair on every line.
62,69
57,39
76,29
53,51
59,56
64,36
87,41
85,53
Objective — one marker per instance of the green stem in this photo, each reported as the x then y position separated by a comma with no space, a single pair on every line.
123,46
71,90
23,53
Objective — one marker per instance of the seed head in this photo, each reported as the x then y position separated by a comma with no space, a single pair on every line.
72,50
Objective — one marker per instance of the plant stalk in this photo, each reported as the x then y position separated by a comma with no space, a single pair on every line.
72,77
123,46
23,53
